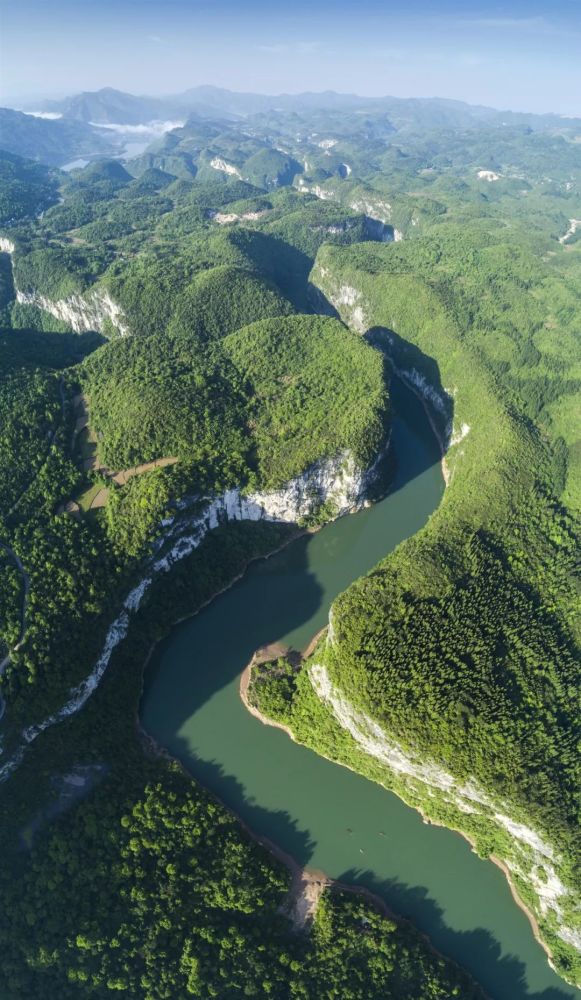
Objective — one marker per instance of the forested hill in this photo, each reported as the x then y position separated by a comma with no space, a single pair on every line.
209,324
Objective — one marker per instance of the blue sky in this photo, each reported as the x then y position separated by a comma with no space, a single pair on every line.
525,56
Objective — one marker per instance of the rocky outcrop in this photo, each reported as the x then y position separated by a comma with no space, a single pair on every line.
224,167
574,224
325,194
375,208
531,857
377,212
227,218
80,312
84,312
337,482
379,231
345,299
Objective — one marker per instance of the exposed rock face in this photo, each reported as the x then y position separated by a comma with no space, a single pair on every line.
81,312
379,231
226,218
374,230
574,224
347,301
376,209
226,168
531,857
325,194
337,480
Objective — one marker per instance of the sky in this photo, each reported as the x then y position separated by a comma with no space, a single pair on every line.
518,55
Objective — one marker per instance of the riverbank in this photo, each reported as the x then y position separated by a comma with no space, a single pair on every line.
261,656
519,902
264,654
308,884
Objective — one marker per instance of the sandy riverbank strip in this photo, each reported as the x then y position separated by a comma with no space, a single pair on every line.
522,906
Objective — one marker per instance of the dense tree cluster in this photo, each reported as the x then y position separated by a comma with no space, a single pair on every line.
461,644
153,890
25,187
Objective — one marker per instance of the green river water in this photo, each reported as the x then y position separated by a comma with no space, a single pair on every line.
322,814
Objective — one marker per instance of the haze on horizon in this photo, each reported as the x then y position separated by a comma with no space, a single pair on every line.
522,56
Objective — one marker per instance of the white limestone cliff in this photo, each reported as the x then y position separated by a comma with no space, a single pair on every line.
88,311
82,312
224,167
531,858
337,481
573,225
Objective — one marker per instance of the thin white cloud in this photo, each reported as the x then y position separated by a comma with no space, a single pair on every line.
304,48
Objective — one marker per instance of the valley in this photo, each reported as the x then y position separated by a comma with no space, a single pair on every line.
277,317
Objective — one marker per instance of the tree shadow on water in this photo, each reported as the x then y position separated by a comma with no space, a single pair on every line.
271,827
502,976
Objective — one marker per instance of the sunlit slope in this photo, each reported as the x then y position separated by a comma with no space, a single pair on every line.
462,645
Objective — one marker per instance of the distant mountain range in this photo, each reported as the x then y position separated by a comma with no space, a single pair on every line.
101,123
108,106
52,142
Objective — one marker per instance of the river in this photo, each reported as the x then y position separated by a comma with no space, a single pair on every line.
323,815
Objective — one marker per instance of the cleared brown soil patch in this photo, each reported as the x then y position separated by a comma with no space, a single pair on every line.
126,474
100,499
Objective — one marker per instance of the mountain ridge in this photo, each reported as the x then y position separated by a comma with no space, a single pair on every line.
207,99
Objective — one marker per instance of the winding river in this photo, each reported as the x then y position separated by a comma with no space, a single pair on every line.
323,815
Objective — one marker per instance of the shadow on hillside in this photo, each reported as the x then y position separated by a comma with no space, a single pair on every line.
46,349
319,303
421,373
